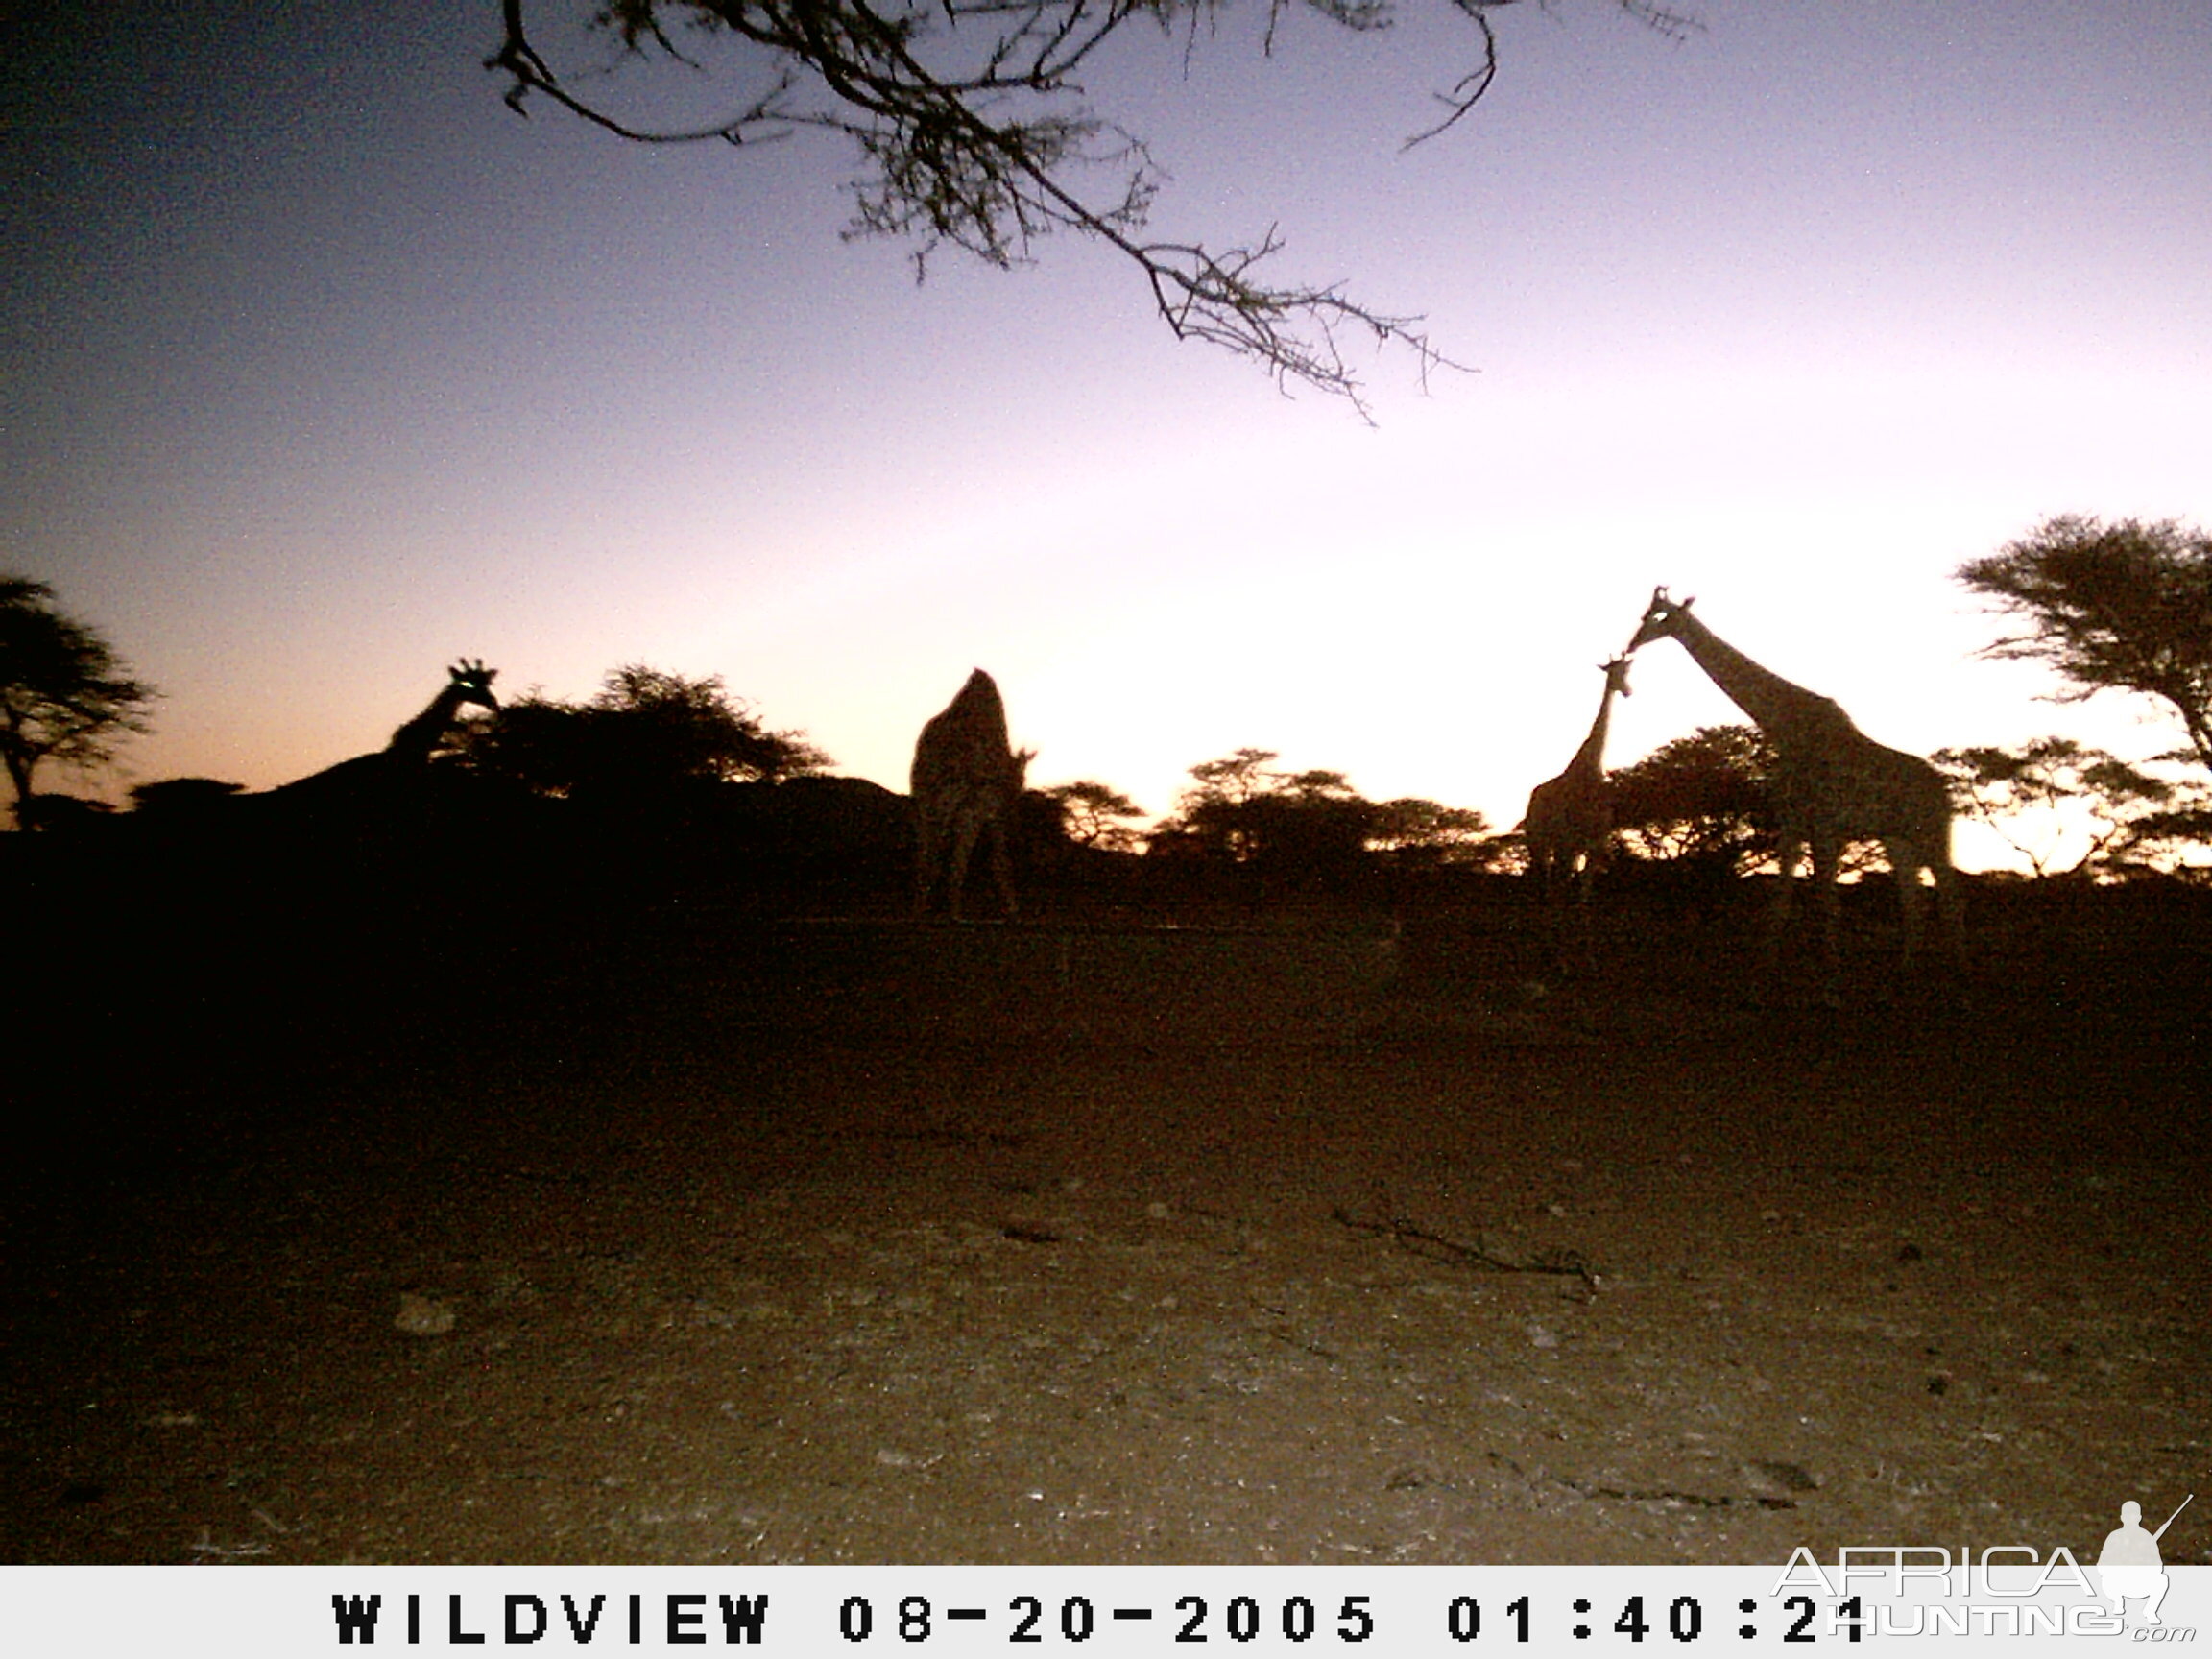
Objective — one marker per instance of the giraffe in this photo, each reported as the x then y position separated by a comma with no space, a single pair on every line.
1569,825
406,758
966,782
467,685
1832,784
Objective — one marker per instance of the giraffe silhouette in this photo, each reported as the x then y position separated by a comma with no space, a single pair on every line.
1832,783
1569,825
405,760
967,781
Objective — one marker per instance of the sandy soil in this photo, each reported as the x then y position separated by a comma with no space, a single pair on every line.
1553,1271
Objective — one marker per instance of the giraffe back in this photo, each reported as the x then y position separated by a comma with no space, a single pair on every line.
964,761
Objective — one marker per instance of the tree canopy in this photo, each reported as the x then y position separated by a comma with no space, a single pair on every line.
2050,793
1091,814
973,126
1413,829
1240,811
644,733
1701,799
2121,606
64,695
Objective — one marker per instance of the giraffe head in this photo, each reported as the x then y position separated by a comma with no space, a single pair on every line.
1616,674
1663,618
472,682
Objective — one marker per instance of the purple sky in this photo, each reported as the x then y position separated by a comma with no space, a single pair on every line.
323,368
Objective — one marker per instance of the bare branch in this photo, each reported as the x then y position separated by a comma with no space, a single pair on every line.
1292,331
972,131
1472,85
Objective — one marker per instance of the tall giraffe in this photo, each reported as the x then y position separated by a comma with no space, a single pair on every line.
967,781
407,756
1832,784
1569,825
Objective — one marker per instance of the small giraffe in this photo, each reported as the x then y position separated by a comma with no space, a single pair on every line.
407,756
1569,825
967,781
1832,784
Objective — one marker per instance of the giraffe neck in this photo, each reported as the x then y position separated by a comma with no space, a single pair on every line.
413,741
1773,701
1591,757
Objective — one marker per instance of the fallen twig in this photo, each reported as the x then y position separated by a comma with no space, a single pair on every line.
1420,1241
206,1546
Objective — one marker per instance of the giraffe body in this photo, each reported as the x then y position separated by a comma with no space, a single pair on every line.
1568,828
1832,782
967,781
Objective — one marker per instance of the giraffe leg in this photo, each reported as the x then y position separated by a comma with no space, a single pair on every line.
1786,855
1001,868
1826,856
1909,859
1585,878
1554,870
1906,862
956,876
926,845
1950,911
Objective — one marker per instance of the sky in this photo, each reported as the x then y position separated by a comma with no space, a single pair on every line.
320,368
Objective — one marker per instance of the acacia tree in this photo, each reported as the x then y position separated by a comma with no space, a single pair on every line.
1240,811
1091,814
973,131
647,733
1701,799
2050,790
1413,829
64,695
2122,607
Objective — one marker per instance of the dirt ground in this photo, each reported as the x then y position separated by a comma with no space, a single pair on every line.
1551,1269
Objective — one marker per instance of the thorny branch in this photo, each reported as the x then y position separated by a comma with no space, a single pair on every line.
970,120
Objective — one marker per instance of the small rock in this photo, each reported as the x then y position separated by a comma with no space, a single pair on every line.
424,1315
1790,1476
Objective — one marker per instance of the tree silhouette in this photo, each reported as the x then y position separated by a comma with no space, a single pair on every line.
1413,830
2034,795
1310,822
2122,607
1700,799
64,695
1234,778
647,734
973,131
1090,815
1236,812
